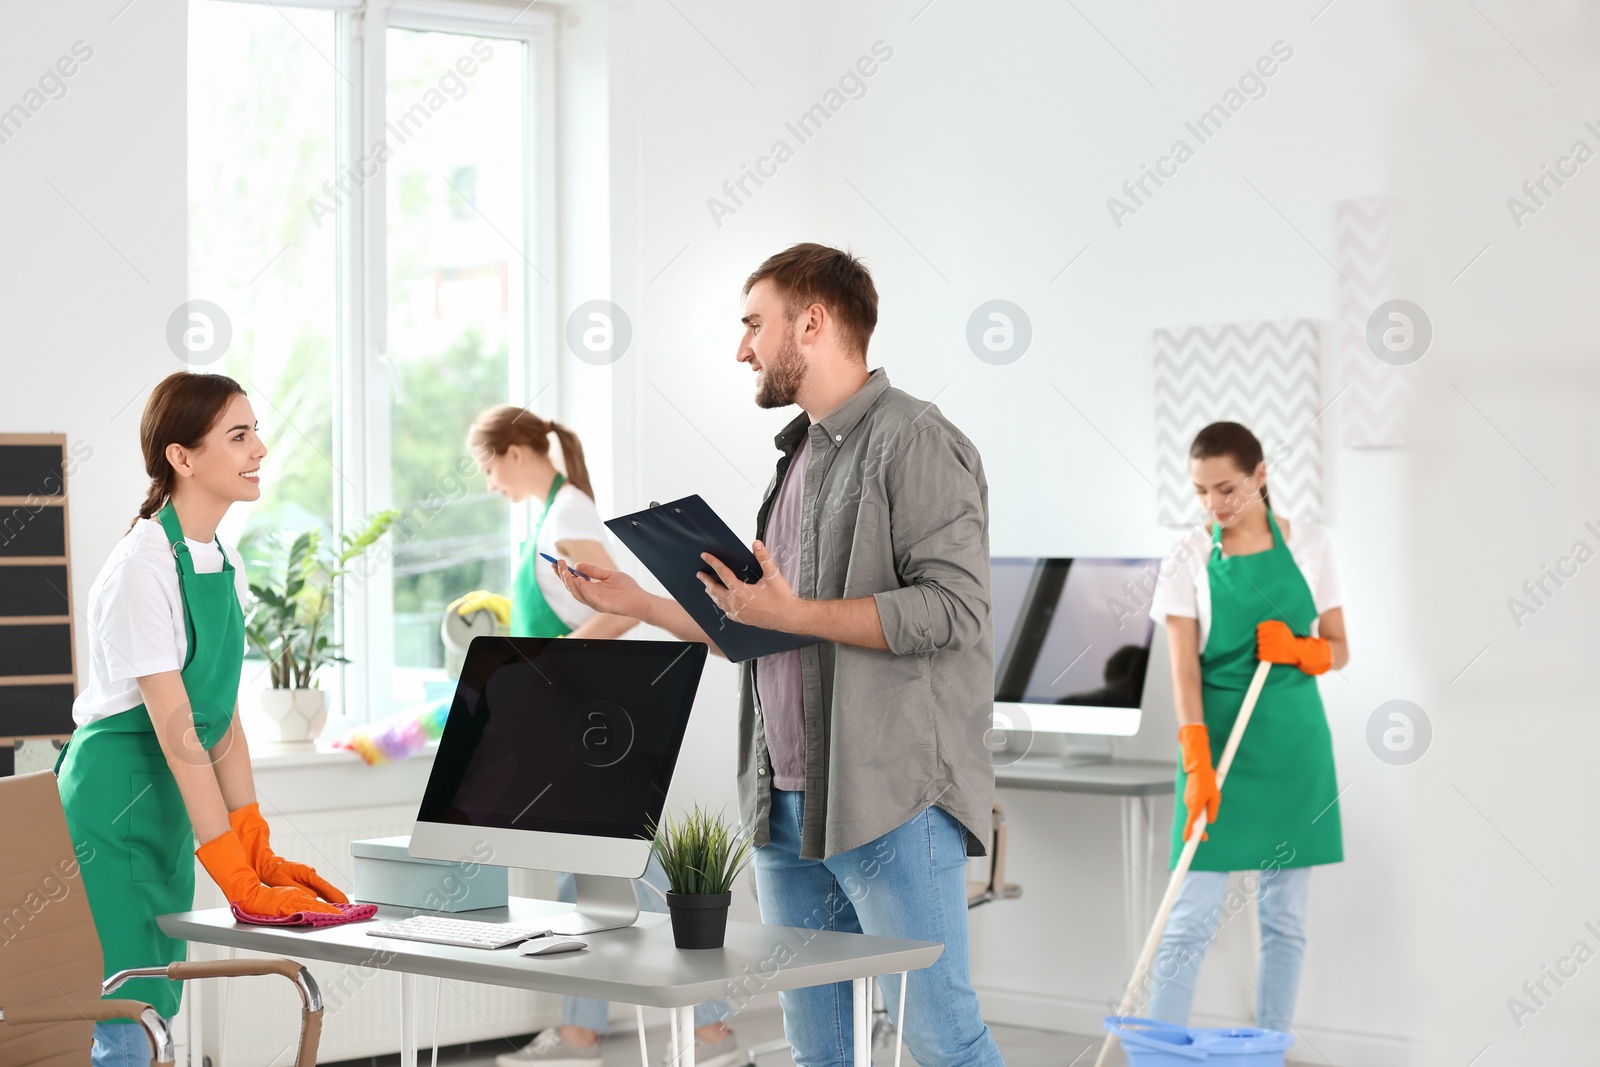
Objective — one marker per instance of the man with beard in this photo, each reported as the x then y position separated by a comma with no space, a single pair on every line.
861,766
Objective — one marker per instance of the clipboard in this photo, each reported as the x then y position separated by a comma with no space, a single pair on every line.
668,539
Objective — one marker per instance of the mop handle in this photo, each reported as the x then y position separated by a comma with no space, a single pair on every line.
1152,940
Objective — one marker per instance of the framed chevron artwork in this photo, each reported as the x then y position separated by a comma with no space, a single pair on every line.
1374,394
1265,375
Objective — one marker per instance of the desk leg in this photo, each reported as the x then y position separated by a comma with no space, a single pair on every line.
1143,843
861,995
1152,857
900,1021
684,1032
1133,856
408,1019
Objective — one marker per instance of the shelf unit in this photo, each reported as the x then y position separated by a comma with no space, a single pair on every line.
38,649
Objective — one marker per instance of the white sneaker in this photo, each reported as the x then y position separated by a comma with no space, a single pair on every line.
724,1053
548,1050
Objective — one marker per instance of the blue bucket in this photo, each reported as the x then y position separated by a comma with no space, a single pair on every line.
1149,1043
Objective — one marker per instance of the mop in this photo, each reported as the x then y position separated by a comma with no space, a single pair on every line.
1153,940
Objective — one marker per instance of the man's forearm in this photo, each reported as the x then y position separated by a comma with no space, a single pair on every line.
667,614
845,622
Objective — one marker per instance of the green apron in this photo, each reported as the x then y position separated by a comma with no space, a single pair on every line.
122,801
531,614
1280,801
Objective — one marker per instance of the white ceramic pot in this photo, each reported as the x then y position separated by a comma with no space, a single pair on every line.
293,715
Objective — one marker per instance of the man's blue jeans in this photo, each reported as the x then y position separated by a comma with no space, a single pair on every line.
912,883
1196,915
592,1014
121,1045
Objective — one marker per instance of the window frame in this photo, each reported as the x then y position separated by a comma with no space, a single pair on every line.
362,385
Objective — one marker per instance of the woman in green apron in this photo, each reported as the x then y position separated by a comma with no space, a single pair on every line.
157,760
1253,587
512,447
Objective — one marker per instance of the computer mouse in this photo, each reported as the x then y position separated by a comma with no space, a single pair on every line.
549,946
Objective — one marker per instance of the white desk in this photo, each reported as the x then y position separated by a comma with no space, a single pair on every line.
1137,783
636,965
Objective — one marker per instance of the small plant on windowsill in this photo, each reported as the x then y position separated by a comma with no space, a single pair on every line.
290,620
702,855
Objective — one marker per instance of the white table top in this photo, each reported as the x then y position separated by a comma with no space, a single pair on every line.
1127,778
636,965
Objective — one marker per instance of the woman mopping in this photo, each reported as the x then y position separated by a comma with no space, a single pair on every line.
1255,589
158,760
512,447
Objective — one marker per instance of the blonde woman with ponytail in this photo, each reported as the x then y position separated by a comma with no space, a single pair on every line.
512,447
158,760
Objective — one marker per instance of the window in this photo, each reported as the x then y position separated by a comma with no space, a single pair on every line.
262,110
369,339
457,309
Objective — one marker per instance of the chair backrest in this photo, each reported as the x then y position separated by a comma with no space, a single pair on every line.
49,950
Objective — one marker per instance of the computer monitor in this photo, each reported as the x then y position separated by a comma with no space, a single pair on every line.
558,755
1072,643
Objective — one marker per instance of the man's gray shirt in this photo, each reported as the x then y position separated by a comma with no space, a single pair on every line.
896,507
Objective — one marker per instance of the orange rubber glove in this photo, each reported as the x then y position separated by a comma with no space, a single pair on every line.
273,868
1200,792
1276,643
224,860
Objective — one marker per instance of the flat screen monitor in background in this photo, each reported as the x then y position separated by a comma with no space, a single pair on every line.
558,755
1071,643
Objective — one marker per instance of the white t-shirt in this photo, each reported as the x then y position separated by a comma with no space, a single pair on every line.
136,617
1184,588
573,517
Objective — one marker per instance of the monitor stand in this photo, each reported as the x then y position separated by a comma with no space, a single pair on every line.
1060,750
1084,749
604,903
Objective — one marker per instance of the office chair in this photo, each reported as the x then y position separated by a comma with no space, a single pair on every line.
50,958
994,887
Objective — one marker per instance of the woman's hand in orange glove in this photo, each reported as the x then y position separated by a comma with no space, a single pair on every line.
1200,792
272,868
1276,643
224,859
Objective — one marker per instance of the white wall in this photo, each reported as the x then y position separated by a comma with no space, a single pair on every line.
1505,476
92,209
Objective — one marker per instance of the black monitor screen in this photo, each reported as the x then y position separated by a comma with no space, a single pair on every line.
1072,631
564,736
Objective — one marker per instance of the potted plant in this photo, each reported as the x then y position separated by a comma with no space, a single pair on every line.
292,594
702,856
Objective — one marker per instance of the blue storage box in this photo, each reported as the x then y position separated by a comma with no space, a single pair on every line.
385,873
1149,1043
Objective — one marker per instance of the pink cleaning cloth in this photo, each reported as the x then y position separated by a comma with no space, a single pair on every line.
348,913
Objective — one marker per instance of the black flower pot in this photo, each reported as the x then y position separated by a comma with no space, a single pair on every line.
699,920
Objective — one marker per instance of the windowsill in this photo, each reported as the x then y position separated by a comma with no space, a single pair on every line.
266,755
305,779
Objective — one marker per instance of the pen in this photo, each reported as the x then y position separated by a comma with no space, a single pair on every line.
570,567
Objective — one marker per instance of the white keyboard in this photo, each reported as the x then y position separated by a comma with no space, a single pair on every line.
465,933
